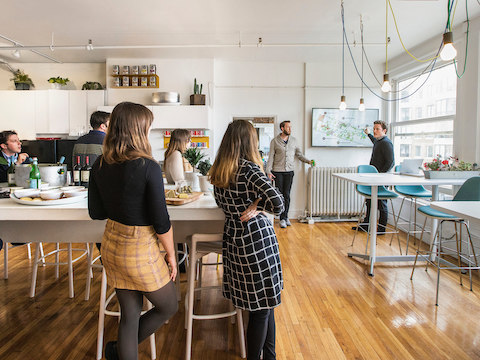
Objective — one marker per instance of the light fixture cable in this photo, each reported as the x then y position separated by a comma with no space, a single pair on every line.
466,43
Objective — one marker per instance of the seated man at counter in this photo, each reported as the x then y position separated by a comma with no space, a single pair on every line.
11,152
91,144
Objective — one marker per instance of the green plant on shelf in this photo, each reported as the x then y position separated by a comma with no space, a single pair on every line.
197,89
19,77
58,80
204,167
92,85
193,156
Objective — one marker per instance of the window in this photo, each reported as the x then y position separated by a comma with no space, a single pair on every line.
424,124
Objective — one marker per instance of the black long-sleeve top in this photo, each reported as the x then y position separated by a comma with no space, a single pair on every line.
131,193
382,154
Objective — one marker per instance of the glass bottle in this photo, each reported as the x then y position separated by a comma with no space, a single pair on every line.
85,172
11,174
76,172
35,179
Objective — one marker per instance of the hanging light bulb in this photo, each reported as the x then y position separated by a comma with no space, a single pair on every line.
386,87
448,52
343,104
361,107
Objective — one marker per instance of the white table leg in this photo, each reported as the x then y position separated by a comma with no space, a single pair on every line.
5,260
35,269
70,272
373,227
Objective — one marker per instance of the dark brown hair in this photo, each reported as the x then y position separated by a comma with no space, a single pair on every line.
381,122
282,124
127,136
239,142
178,141
4,136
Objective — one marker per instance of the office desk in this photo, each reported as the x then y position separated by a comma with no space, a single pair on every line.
468,210
387,179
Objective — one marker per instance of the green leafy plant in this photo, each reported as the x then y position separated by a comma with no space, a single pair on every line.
204,167
193,156
92,85
19,77
58,80
197,90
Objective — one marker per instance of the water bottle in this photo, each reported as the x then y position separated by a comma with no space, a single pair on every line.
35,179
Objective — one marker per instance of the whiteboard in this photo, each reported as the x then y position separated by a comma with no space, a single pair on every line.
334,127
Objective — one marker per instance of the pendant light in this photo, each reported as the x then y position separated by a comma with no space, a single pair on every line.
343,103
361,106
386,87
448,52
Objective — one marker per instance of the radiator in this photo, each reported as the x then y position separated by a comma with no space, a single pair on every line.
330,196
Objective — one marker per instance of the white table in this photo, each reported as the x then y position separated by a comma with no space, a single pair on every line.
72,224
387,179
468,210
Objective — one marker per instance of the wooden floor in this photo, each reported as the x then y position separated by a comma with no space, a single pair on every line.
331,309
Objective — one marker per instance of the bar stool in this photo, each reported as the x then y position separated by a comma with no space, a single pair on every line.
382,194
470,191
5,256
90,266
41,259
201,245
412,193
104,302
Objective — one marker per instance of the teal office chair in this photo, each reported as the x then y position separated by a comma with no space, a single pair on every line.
470,191
412,193
383,194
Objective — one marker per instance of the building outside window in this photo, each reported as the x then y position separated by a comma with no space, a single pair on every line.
425,120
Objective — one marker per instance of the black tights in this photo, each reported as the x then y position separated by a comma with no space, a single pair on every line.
261,335
134,328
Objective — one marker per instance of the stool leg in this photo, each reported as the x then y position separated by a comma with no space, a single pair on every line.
398,219
101,315
439,250
395,221
29,252
89,271
177,279
459,261
70,272
35,270
358,224
42,255
57,261
5,261
189,300
241,334
153,348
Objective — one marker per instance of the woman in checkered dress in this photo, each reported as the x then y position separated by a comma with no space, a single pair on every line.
126,188
252,272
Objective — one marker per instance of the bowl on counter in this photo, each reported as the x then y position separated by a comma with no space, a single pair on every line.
26,193
51,194
165,97
72,188
75,192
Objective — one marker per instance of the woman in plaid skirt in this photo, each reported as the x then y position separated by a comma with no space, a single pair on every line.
252,272
126,188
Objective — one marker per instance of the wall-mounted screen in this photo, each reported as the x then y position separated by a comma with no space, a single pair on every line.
334,127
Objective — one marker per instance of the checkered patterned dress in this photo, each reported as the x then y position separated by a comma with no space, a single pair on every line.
252,272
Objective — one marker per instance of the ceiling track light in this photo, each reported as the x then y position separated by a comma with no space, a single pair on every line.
89,46
448,51
16,53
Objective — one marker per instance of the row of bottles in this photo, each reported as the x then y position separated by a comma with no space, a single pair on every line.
81,174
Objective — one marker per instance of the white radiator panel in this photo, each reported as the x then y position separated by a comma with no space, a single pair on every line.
330,196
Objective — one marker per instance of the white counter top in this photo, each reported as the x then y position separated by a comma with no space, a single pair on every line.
375,179
468,210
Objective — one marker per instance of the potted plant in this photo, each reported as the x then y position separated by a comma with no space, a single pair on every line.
204,167
197,98
92,85
193,156
22,81
58,82
449,168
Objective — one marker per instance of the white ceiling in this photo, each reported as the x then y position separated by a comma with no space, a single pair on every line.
214,28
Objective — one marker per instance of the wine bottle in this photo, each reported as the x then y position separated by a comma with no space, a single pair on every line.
35,179
85,172
76,172
11,175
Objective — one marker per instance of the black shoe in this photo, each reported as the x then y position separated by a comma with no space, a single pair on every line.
381,230
361,227
18,244
111,352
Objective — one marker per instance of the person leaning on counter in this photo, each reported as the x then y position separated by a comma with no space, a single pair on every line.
11,152
175,164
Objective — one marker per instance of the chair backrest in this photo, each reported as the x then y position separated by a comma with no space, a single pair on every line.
397,168
470,190
365,169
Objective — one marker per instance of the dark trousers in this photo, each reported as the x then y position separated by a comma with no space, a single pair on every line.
283,181
261,335
383,208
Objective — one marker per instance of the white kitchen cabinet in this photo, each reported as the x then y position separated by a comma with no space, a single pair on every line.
180,117
82,103
17,112
58,112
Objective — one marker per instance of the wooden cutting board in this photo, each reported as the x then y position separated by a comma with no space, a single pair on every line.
191,197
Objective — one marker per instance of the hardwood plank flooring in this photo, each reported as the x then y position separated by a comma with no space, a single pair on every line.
331,308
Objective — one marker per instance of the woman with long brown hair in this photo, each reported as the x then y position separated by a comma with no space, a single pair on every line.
174,164
126,188
252,272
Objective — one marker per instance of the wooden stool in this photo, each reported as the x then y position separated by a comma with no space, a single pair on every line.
200,245
104,301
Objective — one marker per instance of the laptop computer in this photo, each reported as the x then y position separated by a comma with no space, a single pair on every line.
411,167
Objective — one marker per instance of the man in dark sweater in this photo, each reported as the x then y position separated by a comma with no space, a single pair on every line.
383,160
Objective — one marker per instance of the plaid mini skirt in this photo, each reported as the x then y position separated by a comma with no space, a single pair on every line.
132,257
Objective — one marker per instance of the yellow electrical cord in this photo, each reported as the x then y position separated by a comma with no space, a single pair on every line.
404,48
386,35
455,9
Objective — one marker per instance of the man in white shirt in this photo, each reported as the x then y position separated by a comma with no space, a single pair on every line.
281,163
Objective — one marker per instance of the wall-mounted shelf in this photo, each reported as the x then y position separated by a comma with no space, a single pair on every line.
149,80
202,142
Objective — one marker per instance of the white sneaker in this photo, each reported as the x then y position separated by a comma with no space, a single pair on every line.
288,222
283,224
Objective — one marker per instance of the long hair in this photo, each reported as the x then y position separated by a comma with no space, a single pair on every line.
127,135
178,141
239,142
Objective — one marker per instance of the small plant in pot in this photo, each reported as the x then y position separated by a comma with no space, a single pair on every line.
58,82
197,98
92,85
22,81
193,156
204,167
